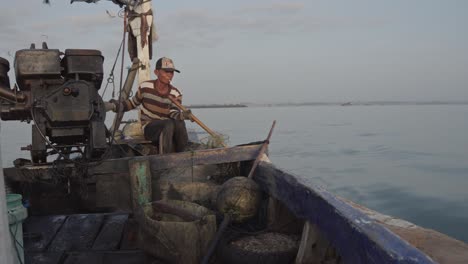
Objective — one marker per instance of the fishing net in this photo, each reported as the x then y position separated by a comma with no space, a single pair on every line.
217,141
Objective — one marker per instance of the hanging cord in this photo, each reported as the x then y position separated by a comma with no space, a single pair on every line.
123,57
122,13
13,236
121,77
61,155
110,79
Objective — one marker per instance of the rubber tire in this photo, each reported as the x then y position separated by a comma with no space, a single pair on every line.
231,254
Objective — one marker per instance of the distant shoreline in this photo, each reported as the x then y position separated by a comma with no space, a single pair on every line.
356,103
368,103
217,106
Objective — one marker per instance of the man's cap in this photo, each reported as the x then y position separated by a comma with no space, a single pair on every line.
166,64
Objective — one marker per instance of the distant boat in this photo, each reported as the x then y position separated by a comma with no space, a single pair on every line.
346,104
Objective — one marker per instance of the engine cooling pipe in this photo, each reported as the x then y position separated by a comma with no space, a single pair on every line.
7,94
5,91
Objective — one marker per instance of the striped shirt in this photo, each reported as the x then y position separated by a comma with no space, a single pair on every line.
154,105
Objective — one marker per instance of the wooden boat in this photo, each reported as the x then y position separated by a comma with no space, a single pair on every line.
102,227
92,212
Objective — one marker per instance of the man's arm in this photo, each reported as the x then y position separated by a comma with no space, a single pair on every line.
132,103
126,105
175,112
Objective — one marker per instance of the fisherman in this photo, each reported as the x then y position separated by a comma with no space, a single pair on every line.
157,112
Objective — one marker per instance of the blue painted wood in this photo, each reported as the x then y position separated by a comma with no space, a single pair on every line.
356,237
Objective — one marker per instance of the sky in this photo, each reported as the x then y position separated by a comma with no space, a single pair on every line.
262,51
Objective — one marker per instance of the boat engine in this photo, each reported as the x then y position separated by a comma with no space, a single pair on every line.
59,93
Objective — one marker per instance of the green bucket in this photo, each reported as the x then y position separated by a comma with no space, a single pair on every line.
16,215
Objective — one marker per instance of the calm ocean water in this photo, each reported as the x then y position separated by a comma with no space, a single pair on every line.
407,161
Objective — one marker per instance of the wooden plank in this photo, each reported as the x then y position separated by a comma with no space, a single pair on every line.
313,247
78,233
31,173
440,247
140,182
106,257
39,231
111,232
112,191
27,174
158,162
183,159
43,257
357,238
308,239
130,236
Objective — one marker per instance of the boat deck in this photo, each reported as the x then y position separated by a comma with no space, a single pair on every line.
82,238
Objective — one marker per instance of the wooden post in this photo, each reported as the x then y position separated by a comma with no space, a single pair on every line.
314,248
306,251
140,182
144,10
127,88
5,240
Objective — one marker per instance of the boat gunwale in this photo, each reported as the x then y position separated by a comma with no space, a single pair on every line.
356,237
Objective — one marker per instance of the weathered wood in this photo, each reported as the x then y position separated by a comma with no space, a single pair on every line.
27,174
312,248
32,173
262,151
309,237
140,181
158,162
112,191
130,236
280,219
440,247
127,88
183,159
77,233
111,232
43,257
357,238
39,231
114,257
180,212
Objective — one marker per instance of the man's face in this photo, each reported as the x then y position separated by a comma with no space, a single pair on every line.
164,76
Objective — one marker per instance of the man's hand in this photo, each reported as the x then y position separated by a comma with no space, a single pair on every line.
186,115
113,105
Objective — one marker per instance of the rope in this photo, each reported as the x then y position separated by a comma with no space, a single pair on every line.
123,57
121,77
16,242
110,79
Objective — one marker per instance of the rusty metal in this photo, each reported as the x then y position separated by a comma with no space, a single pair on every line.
59,92
6,94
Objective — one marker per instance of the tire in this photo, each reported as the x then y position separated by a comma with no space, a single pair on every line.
231,254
